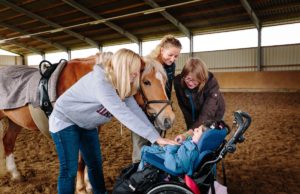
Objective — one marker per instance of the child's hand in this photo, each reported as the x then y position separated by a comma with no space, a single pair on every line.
180,138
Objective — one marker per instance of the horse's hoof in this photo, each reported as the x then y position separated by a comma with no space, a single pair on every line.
82,191
89,190
17,178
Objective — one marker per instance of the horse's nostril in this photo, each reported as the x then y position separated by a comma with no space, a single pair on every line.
167,123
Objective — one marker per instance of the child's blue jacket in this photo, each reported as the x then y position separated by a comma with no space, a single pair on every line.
180,159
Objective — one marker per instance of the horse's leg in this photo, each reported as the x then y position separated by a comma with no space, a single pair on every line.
83,184
18,118
3,130
88,185
9,144
80,186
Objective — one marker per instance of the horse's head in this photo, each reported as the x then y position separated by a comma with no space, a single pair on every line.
152,96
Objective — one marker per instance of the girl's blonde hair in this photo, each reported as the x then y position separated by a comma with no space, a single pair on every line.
166,42
118,68
198,68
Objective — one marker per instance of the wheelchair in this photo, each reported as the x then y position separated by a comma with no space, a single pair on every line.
204,176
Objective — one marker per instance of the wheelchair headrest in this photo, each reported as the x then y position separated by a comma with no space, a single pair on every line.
211,139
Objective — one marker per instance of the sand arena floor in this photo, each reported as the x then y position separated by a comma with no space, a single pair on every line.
267,162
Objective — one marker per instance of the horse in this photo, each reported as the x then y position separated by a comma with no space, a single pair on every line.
151,96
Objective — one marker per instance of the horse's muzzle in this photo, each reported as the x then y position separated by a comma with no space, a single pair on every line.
167,123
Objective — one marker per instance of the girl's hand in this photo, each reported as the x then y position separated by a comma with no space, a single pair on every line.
163,141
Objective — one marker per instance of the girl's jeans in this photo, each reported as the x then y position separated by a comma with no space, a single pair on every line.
68,142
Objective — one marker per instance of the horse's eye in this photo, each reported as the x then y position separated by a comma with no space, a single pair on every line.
147,83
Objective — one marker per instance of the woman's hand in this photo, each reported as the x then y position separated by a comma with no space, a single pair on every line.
163,141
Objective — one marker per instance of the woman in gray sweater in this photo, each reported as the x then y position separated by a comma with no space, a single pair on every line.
92,101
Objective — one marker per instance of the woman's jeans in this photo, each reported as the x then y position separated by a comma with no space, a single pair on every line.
68,142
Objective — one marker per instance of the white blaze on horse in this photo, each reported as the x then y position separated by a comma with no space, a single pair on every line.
151,97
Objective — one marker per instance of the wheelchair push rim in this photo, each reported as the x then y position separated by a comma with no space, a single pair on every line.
169,188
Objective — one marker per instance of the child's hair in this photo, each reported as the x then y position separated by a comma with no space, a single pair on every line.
213,124
118,69
198,68
166,42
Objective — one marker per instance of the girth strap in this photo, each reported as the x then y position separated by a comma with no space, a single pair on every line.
46,69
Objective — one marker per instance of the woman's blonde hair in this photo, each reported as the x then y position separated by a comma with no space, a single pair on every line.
118,68
198,68
166,42
103,58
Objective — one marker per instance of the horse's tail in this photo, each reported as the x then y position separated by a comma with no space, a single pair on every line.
4,123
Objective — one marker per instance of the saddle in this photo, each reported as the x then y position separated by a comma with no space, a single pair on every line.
46,69
22,85
19,85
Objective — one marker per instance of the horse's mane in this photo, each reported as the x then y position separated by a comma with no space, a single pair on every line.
152,63
92,58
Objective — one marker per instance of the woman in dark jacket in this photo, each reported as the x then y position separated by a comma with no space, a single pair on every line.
198,94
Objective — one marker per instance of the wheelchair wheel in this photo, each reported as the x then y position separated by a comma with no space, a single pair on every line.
169,189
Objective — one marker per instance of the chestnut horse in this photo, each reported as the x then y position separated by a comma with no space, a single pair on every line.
151,97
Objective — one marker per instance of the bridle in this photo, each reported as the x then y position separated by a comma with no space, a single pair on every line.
153,117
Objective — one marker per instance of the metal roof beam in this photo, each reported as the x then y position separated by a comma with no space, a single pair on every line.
251,13
24,46
56,45
107,23
50,23
169,17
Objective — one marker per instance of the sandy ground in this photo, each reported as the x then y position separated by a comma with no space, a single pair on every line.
267,162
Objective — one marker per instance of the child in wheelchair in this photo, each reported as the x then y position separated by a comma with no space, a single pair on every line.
184,158
189,168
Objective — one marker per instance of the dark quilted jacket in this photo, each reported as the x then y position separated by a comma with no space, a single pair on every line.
208,104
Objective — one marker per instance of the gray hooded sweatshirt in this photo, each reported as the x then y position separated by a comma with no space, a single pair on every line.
92,101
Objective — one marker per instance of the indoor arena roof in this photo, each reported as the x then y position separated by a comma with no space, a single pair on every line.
38,26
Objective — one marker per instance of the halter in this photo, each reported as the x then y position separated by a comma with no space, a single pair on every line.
153,117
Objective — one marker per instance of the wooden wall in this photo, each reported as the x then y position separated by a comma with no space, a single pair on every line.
276,81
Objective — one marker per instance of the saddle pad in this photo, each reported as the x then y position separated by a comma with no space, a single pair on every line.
19,85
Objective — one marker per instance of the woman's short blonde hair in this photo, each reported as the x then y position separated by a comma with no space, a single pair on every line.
198,69
118,69
166,42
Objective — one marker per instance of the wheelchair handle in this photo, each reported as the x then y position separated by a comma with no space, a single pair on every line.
243,121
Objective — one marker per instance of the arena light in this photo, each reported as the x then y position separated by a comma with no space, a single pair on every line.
25,36
155,10
97,22
56,30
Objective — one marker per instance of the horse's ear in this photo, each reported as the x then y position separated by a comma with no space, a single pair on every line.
143,64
